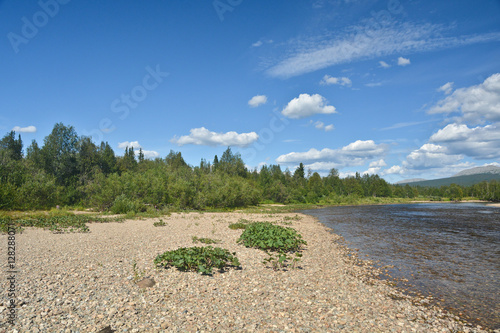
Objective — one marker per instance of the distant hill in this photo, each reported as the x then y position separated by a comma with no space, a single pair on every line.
465,178
479,170
407,181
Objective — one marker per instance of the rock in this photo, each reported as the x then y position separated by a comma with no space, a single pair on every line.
106,329
146,283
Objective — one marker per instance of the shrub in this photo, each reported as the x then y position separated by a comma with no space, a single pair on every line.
159,223
123,205
200,259
270,237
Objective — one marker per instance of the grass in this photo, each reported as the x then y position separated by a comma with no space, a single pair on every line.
57,221
205,240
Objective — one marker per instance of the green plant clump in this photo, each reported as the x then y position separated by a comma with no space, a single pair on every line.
199,259
205,240
54,223
238,225
269,237
159,223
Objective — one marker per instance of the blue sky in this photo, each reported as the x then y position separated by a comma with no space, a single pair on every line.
405,89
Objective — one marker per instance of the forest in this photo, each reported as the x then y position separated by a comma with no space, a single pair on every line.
72,171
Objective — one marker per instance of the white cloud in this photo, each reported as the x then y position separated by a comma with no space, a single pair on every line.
150,154
403,61
202,136
27,129
395,169
446,88
343,81
476,103
383,64
362,42
129,144
354,154
329,128
257,44
321,126
478,142
137,146
431,156
307,105
375,167
257,100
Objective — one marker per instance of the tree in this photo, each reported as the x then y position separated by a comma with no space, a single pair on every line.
10,147
141,155
299,172
59,153
34,156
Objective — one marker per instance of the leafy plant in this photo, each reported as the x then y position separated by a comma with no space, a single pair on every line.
273,238
199,259
281,259
205,240
137,274
269,237
159,223
238,225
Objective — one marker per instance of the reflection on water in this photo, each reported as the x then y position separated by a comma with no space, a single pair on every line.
451,251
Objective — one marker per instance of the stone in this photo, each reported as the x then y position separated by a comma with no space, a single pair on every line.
146,283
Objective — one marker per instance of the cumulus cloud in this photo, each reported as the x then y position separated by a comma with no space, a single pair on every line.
257,43
257,100
476,104
354,154
137,146
447,88
478,142
204,137
395,169
129,144
383,64
343,81
375,167
321,126
150,154
403,61
307,105
27,129
431,156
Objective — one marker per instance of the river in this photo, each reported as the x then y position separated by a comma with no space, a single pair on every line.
448,250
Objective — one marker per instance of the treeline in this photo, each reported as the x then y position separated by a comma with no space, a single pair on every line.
71,170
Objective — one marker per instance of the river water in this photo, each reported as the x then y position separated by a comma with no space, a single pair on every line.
447,250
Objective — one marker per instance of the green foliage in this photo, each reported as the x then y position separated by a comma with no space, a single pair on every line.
282,260
205,240
123,205
56,222
159,223
236,226
269,237
199,259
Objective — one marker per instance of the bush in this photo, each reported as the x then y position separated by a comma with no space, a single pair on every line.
200,259
123,205
270,237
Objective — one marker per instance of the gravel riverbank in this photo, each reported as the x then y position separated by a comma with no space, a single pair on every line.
82,282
